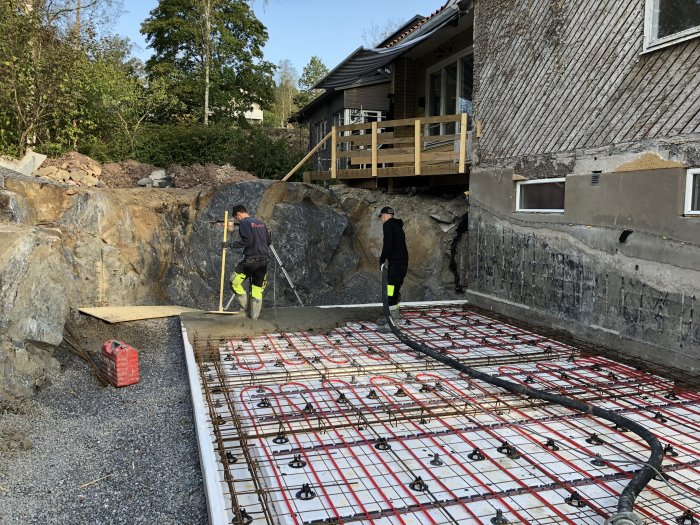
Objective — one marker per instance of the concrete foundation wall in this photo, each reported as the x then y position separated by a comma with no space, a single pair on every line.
573,271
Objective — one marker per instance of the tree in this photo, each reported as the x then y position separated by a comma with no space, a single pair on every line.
312,73
286,90
35,81
209,53
375,34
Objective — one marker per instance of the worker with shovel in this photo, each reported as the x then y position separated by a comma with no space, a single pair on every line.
255,239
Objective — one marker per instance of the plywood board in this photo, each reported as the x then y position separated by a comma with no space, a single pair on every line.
120,314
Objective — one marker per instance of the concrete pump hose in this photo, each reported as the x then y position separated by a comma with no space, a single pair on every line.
625,504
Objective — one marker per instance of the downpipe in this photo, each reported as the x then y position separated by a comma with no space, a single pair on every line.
625,505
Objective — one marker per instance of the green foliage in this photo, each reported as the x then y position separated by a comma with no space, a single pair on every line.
37,91
313,72
63,89
218,40
251,149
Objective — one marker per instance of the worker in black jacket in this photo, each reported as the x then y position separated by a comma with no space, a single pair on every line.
395,254
255,239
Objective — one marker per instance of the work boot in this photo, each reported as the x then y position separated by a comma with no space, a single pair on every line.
242,300
394,313
255,308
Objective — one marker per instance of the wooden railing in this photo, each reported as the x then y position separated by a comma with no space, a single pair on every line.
404,144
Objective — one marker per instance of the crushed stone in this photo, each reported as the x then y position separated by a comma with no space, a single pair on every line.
91,455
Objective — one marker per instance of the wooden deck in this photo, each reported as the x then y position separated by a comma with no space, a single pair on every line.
422,147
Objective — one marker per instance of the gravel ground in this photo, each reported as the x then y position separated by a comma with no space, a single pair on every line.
138,441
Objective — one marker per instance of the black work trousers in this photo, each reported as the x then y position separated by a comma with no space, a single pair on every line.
397,273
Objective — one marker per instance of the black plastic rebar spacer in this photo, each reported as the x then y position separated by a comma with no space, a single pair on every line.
551,444
658,416
598,461
306,493
594,439
230,458
476,455
575,500
264,403
245,518
499,519
687,518
382,444
418,485
668,451
280,439
436,461
297,462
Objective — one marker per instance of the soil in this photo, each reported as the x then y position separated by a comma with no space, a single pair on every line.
125,174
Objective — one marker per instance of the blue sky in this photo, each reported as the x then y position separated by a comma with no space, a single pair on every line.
299,29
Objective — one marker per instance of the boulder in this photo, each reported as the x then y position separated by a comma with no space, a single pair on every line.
34,284
145,182
24,368
158,175
26,165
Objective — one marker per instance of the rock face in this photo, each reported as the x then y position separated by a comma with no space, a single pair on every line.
63,248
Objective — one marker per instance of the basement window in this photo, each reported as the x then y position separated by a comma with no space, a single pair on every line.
692,192
667,22
540,196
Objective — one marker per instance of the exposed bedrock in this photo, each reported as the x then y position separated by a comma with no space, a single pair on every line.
62,248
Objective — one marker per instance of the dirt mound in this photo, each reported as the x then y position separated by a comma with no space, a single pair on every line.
125,174
72,168
77,169
207,175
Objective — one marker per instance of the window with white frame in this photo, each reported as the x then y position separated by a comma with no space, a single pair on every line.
669,21
692,192
541,196
449,88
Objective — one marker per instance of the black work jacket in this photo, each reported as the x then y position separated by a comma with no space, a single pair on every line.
394,249
255,238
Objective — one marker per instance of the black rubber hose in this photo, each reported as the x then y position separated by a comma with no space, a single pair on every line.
625,503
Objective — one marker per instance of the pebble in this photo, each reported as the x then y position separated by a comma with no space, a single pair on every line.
107,431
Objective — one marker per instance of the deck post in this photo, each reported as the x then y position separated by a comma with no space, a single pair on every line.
334,153
374,149
463,143
418,146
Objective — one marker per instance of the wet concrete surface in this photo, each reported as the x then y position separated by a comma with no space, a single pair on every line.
308,319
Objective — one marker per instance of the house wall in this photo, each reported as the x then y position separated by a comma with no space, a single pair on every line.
373,97
570,76
324,111
410,73
562,89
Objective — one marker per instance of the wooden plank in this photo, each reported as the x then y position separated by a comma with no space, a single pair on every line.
401,122
362,153
396,171
362,140
307,157
119,314
424,157
374,149
463,143
417,131
427,139
334,152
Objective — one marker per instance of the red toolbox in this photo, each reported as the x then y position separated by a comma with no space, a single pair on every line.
120,363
